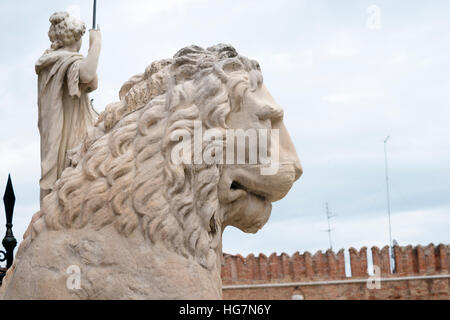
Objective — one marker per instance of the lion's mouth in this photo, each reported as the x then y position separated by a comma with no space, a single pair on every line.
247,196
257,194
250,208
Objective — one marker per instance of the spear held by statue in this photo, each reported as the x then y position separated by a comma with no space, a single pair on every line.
94,19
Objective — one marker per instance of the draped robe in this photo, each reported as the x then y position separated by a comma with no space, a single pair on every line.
65,112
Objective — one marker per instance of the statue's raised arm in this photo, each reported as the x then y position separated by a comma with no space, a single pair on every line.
65,78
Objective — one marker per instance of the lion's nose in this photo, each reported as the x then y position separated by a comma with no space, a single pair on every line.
288,154
298,170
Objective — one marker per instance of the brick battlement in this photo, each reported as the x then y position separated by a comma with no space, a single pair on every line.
299,268
409,261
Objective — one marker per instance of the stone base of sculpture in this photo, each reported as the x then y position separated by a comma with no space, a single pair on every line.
110,267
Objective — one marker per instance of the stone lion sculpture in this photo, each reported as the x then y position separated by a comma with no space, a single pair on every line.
127,222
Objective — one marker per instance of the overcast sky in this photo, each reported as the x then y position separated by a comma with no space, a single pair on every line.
344,84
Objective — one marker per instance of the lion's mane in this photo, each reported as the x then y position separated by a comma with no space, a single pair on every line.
125,175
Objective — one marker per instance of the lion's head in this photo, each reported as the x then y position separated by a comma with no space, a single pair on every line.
126,174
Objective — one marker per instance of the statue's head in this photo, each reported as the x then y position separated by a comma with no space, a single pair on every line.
138,169
65,31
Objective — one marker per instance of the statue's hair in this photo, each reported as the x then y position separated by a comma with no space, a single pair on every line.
65,30
126,176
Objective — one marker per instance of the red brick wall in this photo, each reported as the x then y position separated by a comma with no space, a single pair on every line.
330,266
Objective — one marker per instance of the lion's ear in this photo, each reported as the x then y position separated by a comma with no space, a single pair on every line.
255,80
232,65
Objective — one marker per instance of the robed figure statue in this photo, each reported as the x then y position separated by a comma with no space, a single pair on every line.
65,78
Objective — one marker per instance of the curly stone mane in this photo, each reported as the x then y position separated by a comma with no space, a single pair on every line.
125,175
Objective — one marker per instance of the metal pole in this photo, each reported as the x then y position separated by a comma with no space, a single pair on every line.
329,216
387,189
94,19
388,200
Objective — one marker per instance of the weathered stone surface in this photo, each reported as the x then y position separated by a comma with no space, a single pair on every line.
65,78
138,224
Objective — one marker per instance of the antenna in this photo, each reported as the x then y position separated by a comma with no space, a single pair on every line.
329,216
388,198
387,188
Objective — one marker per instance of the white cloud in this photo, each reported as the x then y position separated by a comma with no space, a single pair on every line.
343,88
74,10
343,45
141,10
351,97
19,152
306,233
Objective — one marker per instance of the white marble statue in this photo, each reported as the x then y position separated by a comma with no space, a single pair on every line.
127,220
65,78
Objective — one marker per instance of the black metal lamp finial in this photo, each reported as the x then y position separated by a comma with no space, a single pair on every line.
9,242
9,200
